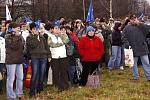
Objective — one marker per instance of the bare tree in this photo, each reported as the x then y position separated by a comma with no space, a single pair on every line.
50,9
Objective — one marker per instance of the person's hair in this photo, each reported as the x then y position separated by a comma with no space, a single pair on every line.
77,22
102,20
61,17
13,25
62,27
117,25
7,22
125,23
48,26
67,28
132,16
23,23
32,25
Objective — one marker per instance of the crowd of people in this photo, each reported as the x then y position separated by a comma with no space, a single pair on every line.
63,45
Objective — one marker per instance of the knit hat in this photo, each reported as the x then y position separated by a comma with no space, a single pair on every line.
56,23
89,28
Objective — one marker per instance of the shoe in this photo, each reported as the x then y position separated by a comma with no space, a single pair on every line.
22,98
121,68
135,79
109,70
80,87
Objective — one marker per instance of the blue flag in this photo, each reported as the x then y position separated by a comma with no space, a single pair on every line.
28,21
141,16
90,16
38,22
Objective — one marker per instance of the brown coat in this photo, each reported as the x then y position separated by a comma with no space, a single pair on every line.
14,49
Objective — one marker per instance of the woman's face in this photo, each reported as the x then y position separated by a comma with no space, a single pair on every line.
79,24
91,33
120,28
34,30
17,29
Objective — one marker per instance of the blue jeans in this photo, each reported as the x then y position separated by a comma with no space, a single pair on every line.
145,64
38,71
115,59
12,71
122,62
71,72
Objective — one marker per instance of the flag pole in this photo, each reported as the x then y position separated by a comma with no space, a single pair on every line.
83,2
110,9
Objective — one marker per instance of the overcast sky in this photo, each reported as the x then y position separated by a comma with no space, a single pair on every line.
148,1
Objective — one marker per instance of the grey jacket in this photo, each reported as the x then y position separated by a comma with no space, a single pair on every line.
136,36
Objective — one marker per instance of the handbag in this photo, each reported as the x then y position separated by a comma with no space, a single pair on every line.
93,80
129,60
1,77
50,81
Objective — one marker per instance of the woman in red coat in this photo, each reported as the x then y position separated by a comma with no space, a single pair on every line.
91,50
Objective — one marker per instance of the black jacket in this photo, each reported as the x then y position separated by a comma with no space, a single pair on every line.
37,48
116,38
136,35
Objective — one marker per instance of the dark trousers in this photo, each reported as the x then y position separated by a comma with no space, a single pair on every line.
105,58
60,73
88,68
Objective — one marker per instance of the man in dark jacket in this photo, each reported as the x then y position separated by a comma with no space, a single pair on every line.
136,35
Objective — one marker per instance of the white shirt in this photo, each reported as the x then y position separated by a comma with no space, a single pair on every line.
25,34
2,50
58,52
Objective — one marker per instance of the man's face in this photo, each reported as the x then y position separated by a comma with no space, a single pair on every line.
24,27
62,19
3,29
134,21
63,30
56,30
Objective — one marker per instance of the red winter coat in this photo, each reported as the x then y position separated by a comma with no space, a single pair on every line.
91,49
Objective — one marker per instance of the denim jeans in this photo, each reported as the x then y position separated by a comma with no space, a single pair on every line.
145,64
12,71
71,72
38,72
115,59
122,62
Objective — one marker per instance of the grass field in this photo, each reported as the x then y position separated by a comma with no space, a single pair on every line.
116,85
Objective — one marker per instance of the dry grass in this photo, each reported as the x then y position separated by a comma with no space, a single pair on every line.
116,85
